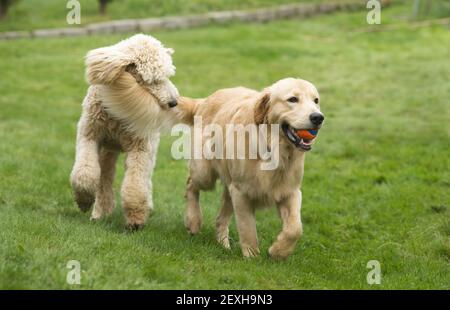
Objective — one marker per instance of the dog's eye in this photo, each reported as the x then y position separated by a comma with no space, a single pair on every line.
293,99
316,100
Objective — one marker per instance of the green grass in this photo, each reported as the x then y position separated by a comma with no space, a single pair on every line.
376,184
34,14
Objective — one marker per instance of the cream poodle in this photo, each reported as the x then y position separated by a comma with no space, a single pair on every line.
127,104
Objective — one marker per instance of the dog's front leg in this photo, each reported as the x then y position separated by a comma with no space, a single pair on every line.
289,210
246,222
104,200
136,187
85,175
193,217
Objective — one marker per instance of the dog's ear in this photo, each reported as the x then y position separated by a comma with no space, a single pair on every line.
262,107
104,65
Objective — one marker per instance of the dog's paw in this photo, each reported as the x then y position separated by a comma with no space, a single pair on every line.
135,217
250,252
94,219
225,242
84,181
277,253
193,224
134,227
102,208
84,199
222,238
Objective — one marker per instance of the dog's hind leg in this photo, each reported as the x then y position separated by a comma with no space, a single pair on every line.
136,186
104,200
154,143
201,177
223,219
85,174
193,214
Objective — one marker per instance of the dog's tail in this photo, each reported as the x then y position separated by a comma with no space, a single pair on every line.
187,108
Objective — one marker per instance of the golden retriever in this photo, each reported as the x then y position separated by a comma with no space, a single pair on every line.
291,103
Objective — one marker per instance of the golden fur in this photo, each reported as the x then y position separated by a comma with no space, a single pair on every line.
246,186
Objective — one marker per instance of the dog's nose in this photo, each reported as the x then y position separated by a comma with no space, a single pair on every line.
172,103
316,118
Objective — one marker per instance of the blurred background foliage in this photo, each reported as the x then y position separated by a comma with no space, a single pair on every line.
34,14
423,9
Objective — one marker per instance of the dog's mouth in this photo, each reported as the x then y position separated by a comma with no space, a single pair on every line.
290,132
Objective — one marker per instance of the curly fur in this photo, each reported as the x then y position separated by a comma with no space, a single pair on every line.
153,61
126,106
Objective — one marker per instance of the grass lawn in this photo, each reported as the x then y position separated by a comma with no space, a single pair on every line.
376,185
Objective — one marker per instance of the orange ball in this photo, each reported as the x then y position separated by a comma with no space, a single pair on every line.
307,134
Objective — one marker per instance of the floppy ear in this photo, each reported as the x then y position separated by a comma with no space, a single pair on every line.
104,65
262,107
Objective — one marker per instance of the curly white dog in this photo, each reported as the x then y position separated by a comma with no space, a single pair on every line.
127,104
